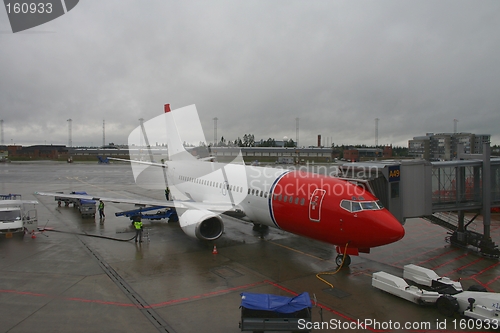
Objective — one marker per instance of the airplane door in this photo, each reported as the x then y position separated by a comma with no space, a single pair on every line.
315,205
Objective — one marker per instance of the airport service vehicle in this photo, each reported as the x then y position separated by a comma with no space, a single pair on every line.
86,207
324,208
448,295
15,215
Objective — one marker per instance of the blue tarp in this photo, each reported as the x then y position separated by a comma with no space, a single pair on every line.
87,202
275,303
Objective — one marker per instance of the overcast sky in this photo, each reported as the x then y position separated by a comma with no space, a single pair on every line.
256,66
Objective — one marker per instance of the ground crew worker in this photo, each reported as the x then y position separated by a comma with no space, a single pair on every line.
101,209
138,228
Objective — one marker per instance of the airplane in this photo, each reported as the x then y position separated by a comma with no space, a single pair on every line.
328,209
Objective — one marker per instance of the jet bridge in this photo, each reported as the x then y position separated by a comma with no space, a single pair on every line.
440,192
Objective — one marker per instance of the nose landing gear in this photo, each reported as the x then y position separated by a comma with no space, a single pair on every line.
345,258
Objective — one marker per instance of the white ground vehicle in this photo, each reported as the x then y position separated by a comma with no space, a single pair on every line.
447,294
16,217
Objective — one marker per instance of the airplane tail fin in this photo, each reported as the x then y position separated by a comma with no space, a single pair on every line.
176,150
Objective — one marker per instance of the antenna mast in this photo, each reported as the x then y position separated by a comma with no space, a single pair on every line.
70,140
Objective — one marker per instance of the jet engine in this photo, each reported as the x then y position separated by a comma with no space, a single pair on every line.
201,224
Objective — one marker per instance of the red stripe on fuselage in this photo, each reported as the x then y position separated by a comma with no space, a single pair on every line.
299,206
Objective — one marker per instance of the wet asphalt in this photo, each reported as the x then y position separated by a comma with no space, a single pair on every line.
64,280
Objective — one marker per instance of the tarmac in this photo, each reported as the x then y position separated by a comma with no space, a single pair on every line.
64,280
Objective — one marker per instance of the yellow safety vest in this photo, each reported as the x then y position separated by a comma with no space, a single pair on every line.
138,225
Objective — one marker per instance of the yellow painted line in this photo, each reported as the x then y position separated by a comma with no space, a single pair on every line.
301,252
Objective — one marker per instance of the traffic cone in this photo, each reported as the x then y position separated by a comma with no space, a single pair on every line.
214,251
33,236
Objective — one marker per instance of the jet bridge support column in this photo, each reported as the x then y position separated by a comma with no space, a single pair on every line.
486,243
462,236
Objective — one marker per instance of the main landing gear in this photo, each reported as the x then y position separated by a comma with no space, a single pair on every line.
340,258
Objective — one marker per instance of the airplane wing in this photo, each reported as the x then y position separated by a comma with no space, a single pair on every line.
215,207
137,162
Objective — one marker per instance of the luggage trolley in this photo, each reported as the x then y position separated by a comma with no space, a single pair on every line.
266,312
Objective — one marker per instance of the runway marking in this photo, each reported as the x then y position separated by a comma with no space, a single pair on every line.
464,266
438,256
418,255
450,261
301,252
206,295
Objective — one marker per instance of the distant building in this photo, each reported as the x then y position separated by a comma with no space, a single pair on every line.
444,146
358,154
419,147
50,152
275,154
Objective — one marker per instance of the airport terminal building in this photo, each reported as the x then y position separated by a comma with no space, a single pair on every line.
443,146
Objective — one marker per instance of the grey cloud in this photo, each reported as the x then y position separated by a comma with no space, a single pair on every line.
256,65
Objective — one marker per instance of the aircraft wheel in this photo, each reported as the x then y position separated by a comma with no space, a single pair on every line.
340,257
447,305
259,227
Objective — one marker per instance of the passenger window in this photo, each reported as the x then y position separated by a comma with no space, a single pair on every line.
291,199
285,198
261,193
346,204
265,194
302,201
279,198
297,200
356,207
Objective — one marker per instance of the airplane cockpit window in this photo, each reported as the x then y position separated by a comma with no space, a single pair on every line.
346,204
369,205
354,206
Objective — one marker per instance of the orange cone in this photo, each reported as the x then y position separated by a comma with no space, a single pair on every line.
33,236
214,251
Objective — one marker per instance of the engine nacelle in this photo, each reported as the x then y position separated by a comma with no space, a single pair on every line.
201,224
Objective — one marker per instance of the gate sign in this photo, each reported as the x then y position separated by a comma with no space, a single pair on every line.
394,173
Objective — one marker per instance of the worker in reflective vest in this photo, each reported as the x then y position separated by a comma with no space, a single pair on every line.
138,228
101,209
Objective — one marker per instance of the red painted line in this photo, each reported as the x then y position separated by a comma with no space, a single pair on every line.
450,261
417,255
487,268
479,283
205,295
491,281
438,256
464,266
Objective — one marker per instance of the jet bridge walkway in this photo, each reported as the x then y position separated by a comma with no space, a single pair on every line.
440,192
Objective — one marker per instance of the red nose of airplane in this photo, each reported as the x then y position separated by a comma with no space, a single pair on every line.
386,229
391,229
